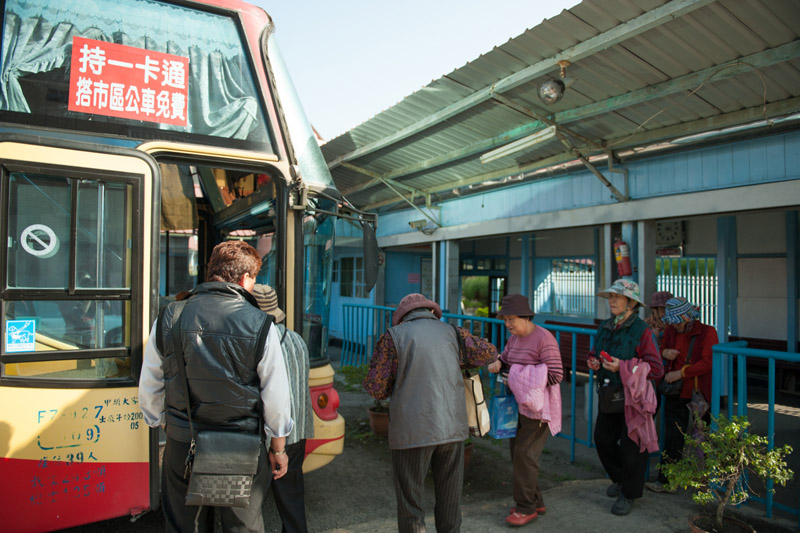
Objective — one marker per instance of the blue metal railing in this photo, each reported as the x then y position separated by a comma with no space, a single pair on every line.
738,352
363,325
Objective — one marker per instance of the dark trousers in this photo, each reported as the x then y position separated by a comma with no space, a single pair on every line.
676,417
620,456
526,448
409,468
289,491
183,518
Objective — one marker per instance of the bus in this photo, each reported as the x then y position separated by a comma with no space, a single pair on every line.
134,136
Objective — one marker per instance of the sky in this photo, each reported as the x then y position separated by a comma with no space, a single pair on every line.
352,59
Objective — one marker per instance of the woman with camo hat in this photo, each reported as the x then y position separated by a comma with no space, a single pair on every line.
628,341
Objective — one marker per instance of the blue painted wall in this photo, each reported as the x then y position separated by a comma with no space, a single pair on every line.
767,159
398,266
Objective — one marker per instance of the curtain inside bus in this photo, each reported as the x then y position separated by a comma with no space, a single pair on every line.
37,49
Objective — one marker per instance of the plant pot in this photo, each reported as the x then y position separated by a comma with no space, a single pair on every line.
379,421
707,524
468,447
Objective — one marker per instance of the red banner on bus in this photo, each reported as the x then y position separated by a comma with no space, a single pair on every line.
126,82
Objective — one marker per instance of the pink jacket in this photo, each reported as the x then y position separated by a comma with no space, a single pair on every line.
535,398
640,404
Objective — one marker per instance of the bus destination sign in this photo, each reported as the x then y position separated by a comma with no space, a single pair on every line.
127,82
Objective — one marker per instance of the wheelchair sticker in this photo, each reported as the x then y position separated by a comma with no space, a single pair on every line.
20,336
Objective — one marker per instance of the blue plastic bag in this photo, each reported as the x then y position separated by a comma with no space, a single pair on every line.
504,416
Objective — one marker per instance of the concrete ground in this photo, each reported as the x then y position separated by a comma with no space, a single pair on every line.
355,494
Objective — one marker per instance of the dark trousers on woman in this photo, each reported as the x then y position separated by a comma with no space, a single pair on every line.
620,456
289,491
676,418
409,468
526,448
181,518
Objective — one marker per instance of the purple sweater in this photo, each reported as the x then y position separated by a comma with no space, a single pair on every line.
535,348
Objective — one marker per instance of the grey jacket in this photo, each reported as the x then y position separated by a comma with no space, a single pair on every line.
427,406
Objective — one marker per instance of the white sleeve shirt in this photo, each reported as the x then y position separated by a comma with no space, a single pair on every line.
273,382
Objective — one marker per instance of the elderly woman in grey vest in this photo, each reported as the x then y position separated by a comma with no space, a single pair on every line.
417,362
622,337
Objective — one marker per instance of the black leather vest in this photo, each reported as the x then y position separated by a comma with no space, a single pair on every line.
221,330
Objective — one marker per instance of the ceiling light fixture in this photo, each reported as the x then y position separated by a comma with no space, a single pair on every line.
519,145
551,91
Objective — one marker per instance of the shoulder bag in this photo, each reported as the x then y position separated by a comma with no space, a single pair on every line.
674,389
220,464
477,411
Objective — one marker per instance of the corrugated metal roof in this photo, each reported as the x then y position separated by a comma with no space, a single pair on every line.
645,71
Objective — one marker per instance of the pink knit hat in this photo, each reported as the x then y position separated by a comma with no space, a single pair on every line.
411,302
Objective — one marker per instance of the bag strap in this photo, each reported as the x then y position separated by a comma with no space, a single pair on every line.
177,343
461,351
691,347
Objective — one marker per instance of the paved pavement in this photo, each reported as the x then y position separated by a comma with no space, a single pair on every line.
574,492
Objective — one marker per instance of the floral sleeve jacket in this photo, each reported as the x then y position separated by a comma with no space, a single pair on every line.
383,365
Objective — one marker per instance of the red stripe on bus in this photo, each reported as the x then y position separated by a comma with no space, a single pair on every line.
313,444
49,495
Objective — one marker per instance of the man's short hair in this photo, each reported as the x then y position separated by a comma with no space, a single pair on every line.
230,260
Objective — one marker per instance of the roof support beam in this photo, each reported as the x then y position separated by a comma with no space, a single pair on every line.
683,83
391,185
610,186
622,32
744,116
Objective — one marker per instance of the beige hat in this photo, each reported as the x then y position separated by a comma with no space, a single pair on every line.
267,300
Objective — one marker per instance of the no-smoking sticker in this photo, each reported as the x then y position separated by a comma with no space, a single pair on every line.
39,241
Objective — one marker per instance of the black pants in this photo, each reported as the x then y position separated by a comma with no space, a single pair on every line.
676,417
620,456
289,491
182,518
409,467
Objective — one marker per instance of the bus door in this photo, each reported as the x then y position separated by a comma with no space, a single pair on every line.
75,309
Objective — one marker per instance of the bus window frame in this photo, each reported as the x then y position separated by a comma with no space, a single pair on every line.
264,93
138,262
231,217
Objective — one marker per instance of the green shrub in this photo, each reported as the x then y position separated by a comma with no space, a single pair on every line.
475,288
716,461
353,377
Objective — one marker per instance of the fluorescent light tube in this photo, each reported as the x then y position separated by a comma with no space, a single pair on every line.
519,145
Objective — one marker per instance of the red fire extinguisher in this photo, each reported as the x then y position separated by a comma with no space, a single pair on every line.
622,254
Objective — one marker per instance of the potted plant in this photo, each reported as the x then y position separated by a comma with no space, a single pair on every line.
379,410
469,445
714,465
379,417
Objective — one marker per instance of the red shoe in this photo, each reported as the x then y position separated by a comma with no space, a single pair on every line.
539,510
516,519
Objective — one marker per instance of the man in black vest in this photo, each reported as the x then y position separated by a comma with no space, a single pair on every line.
236,377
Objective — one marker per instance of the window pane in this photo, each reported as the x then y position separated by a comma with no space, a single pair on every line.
39,210
64,325
346,285
103,258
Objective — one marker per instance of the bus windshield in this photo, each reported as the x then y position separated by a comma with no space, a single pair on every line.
126,70
312,164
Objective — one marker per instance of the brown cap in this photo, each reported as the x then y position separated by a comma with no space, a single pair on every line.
516,305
